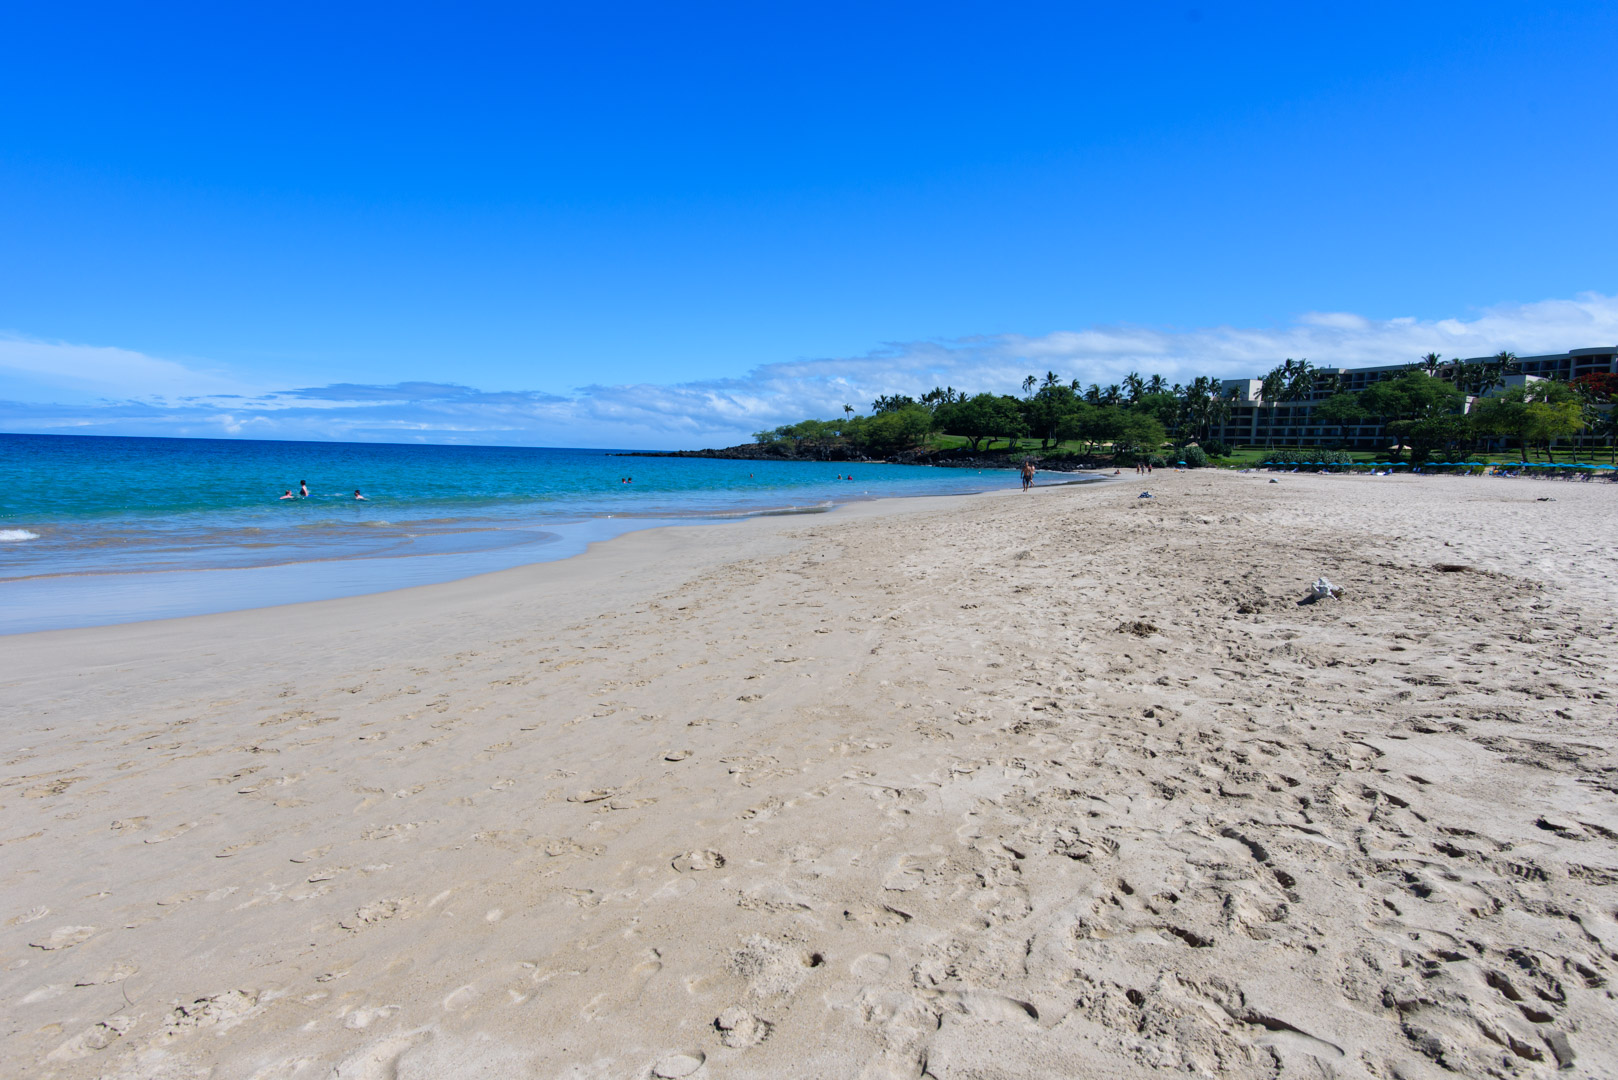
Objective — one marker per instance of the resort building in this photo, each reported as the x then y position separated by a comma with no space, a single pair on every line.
1256,422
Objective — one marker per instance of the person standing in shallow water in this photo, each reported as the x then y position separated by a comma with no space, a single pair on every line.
303,489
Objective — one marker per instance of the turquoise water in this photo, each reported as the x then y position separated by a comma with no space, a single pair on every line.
104,529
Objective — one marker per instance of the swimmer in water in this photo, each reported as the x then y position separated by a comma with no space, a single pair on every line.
289,494
303,489
358,496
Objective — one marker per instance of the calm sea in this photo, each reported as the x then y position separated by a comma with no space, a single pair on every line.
102,529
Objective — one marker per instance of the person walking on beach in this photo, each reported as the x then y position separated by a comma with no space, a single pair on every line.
1027,473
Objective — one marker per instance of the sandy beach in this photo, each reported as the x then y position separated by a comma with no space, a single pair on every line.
1058,784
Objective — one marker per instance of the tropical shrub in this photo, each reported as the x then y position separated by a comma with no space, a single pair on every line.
1305,455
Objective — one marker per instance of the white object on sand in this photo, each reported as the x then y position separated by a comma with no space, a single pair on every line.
1322,589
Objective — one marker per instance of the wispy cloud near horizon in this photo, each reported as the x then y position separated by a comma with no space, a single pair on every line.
144,395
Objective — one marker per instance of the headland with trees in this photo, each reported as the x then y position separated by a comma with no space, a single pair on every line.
1431,410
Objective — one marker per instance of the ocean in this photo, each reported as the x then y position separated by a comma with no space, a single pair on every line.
103,529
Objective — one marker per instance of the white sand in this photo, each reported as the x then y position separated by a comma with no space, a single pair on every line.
1064,784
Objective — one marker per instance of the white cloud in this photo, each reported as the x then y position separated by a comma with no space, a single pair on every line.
104,371
168,398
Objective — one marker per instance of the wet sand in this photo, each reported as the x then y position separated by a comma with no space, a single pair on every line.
1057,784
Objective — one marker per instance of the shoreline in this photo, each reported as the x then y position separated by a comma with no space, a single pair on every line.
963,787
95,598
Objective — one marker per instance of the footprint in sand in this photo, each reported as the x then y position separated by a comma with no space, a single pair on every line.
870,966
374,912
63,937
875,915
698,860
739,1029
116,973
380,1060
170,834
675,1066
905,875
366,1015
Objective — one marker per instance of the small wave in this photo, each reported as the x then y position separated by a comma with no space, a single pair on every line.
17,534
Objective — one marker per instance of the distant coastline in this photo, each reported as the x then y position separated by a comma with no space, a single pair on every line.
954,458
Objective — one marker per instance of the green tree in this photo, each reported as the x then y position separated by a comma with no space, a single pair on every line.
1598,404
1093,424
1536,413
1300,380
1606,429
895,430
1139,432
1410,397
1160,405
979,417
1045,410
1270,389
1452,433
1339,411
1203,405
891,402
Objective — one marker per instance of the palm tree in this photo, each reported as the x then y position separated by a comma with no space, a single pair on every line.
1203,406
1431,363
1300,382
1028,385
1269,393
1479,379
1134,386
1157,385
1505,363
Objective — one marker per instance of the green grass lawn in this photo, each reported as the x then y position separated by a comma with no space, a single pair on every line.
1246,457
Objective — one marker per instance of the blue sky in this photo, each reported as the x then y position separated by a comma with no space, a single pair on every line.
670,225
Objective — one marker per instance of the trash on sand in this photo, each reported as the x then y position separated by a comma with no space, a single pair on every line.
1145,495
1322,589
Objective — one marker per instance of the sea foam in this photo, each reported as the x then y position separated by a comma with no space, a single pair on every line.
17,534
